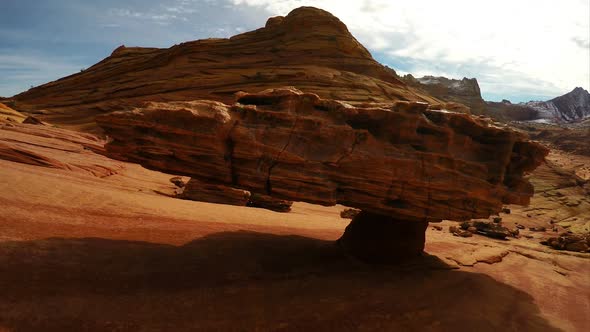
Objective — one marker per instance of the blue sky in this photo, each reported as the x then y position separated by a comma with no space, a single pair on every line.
518,50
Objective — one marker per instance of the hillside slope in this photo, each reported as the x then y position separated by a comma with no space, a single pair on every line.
309,49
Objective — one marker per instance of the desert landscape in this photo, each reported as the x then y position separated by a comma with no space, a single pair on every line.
284,180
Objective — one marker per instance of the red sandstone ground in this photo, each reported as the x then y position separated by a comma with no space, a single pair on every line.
89,243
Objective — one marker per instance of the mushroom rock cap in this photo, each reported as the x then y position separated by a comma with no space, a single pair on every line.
402,160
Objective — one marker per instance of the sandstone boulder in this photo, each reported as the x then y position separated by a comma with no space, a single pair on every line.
196,190
487,228
213,193
404,160
570,242
269,203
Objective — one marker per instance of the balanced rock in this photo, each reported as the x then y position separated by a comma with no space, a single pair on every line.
404,160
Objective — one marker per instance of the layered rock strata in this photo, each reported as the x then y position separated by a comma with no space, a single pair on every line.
404,160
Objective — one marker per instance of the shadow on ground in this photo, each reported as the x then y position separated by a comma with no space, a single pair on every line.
243,281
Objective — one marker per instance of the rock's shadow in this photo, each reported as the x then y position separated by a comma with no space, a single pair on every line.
243,281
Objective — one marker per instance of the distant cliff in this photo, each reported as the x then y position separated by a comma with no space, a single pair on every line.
571,107
465,91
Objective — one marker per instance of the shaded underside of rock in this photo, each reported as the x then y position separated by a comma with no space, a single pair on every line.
404,160
381,239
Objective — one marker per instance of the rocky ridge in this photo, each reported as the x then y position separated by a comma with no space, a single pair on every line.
309,49
571,107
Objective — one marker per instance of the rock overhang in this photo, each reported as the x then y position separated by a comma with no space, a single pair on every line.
405,160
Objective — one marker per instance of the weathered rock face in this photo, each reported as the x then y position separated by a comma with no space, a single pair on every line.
309,49
405,161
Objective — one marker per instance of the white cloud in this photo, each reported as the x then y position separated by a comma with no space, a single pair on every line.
531,46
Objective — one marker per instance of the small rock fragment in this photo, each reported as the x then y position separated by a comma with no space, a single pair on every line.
349,213
538,229
464,234
33,120
177,181
570,242
491,229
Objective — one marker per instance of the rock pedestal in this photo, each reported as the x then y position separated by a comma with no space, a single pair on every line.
404,159
376,238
